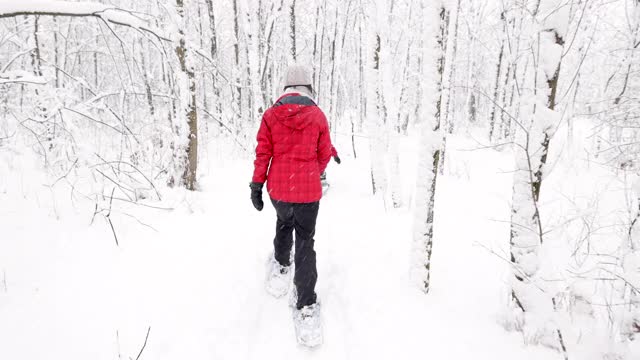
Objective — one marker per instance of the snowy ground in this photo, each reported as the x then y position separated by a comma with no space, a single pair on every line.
194,275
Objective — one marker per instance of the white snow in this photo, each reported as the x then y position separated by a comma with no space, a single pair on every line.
190,266
81,8
69,7
20,76
550,54
555,16
195,275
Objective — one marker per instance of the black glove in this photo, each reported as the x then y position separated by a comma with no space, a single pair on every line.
256,195
336,159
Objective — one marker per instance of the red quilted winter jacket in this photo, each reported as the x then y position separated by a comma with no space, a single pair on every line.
294,148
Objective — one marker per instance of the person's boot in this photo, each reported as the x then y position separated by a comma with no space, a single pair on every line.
308,325
278,278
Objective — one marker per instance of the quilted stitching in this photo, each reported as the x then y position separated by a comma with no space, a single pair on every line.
294,148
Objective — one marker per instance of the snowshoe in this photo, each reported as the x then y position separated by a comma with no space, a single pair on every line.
278,278
325,187
308,325
324,182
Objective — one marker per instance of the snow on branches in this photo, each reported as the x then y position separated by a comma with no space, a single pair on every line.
537,120
108,13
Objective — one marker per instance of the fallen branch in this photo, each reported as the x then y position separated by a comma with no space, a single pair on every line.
113,230
134,168
108,216
121,187
65,175
145,343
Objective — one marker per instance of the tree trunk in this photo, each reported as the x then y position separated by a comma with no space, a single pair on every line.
316,81
213,50
324,23
376,133
145,77
428,161
496,88
452,74
445,95
189,161
292,12
526,225
332,95
236,48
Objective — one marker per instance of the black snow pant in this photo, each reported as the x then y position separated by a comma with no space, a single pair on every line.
302,219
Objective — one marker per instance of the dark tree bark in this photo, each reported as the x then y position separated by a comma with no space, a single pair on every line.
191,161
292,12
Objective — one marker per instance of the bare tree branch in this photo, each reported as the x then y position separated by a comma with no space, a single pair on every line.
107,13
145,343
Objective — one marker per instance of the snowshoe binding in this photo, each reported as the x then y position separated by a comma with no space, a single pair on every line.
324,182
308,325
278,278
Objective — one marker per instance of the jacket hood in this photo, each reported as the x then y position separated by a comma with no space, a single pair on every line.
296,114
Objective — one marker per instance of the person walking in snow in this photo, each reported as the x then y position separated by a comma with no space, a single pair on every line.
294,148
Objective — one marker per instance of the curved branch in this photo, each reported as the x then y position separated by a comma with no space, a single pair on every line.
107,13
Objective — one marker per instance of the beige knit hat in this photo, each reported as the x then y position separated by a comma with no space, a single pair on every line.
298,75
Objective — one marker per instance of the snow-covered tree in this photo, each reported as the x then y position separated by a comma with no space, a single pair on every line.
430,144
537,121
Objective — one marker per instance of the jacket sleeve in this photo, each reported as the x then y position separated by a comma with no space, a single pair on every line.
334,152
264,152
324,144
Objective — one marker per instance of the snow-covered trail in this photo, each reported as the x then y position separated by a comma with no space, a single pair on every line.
195,276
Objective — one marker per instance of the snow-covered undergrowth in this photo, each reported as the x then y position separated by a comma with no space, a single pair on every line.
189,269
587,208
